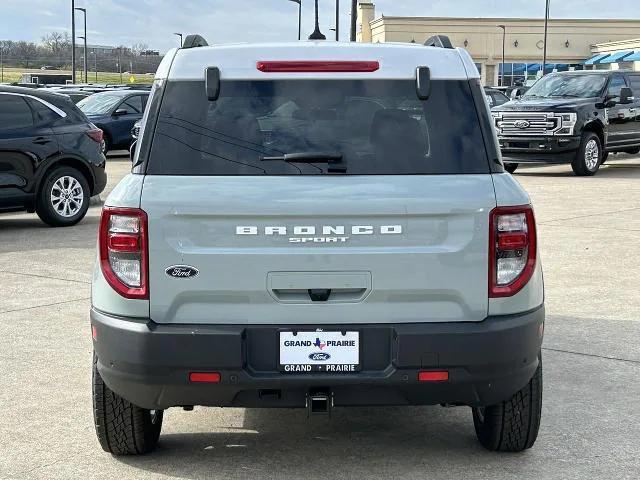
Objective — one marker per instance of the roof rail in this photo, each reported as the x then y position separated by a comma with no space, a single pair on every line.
441,41
193,41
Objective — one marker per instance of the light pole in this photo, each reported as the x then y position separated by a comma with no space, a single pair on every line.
1,63
84,11
504,36
73,41
317,34
337,20
299,2
179,35
84,61
354,19
95,63
546,26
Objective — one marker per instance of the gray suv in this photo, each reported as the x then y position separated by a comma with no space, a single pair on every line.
317,234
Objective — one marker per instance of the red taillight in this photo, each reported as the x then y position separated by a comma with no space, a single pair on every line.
317,66
94,332
124,242
512,241
433,376
512,249
204,377
123,251
96,135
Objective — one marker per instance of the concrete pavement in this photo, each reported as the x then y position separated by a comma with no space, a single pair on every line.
589,234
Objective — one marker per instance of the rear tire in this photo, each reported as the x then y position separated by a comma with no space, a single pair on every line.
512,425
63,198
122,427
510,167
589,155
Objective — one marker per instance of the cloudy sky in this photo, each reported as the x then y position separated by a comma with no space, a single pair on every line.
114,22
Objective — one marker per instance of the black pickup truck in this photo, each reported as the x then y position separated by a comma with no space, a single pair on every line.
572,117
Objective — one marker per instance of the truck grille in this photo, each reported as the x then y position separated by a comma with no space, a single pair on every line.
526,123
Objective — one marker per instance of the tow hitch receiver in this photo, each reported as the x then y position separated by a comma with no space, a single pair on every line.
319,403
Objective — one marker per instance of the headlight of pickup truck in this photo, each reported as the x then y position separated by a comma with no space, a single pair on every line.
494,118
567,123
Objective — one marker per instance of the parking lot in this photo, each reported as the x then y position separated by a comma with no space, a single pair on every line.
589,234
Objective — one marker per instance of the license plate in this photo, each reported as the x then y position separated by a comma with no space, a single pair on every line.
331,352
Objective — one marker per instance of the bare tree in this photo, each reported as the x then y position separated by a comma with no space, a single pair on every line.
26,51
136,48
57,43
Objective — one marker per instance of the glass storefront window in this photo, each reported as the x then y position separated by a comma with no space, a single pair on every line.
517,74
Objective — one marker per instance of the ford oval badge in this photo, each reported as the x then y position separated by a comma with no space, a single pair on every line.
521,124
319,357
182,271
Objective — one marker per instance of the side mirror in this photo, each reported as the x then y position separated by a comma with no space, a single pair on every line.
626,96
120,112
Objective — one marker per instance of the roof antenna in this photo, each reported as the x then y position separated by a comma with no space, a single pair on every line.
317,34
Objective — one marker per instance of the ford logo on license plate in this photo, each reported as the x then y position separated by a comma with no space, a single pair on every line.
319,357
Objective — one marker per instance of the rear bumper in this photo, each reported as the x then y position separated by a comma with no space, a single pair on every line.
100,179
149,364
544,149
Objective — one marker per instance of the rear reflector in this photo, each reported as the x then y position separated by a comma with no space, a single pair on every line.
94,332
204,377
315,66
433,376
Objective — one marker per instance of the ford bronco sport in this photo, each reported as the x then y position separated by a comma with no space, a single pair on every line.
317,225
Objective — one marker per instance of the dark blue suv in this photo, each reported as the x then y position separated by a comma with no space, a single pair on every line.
115,112
51,159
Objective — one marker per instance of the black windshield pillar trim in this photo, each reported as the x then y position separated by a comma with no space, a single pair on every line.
491,147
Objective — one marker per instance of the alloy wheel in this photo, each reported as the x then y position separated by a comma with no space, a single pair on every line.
591,154
67,196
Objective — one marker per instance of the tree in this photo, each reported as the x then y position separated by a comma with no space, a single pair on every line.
57,43
136,48
25,51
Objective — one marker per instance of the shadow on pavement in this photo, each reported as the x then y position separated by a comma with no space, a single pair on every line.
352,443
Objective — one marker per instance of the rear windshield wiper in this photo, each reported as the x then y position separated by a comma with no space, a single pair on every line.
334,160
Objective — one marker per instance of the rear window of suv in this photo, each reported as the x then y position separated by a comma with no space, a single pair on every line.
377,127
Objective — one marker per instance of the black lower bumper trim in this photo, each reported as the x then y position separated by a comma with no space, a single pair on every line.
149,363
525,149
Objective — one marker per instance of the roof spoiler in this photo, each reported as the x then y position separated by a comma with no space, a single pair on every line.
440,41
193,41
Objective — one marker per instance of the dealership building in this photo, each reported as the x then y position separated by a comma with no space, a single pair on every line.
573,44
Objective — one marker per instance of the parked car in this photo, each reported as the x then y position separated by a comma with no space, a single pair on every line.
572,117
115,112
275,246
51,159
495,97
